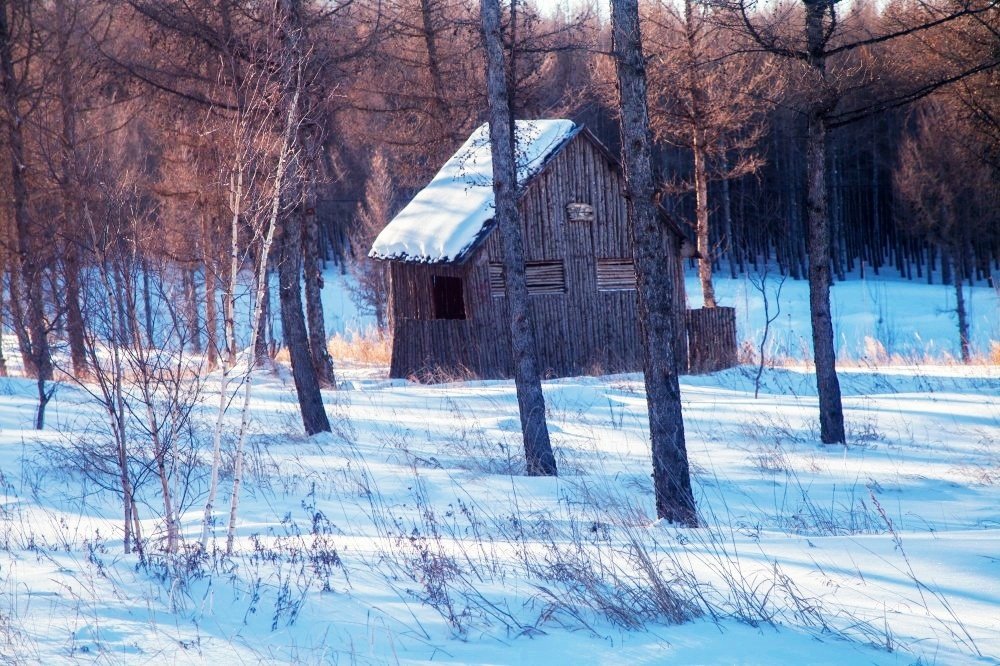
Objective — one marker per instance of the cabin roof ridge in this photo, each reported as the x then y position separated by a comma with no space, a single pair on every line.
448,220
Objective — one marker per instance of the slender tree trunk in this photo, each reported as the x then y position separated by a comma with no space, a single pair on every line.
831,410
433,60
701,221
3,358
698,150
836,219
74,314
211,318
732,246
128,505
260,300
949,256
671,475
530,399
70,190
16,317
313,276
27,257
293,326
147,307
191,307
261,347
211,303
292,89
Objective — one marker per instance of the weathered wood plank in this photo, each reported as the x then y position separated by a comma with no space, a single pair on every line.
711,339
580,326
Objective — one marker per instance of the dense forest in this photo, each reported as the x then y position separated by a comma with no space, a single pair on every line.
166,146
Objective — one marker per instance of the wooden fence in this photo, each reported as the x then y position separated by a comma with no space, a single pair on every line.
711,339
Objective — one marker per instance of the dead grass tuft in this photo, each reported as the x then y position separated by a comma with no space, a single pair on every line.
874,355
371,347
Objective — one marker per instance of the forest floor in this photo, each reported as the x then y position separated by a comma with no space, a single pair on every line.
410,535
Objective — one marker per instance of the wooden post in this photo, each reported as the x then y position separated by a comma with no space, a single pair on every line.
711,339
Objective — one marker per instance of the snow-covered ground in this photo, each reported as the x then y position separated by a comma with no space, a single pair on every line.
910,319
409,535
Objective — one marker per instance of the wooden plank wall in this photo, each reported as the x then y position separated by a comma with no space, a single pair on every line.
711,339
583,330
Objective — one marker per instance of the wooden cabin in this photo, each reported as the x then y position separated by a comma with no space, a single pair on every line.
448,302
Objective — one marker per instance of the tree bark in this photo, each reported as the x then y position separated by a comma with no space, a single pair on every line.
949,256
313,276
34,336
732,247
211,268
293,326
699,152
671,475
74,314
530,399
70,191
831,410
701,221
192,312
261,347
3,359
433,59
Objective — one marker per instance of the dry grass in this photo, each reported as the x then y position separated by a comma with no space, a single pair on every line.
370,347
874,355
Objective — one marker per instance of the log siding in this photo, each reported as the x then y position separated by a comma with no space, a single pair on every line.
582,323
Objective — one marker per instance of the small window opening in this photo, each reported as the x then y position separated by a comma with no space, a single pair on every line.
542,277
449,297
615,275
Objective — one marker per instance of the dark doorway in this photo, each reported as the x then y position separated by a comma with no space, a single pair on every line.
449,297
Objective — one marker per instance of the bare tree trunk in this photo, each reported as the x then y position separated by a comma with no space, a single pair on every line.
211,308
831,410
70,193
701,221
17,319
433,59
530,399
313,276
26,257
211,319
147,306
948,256
192,311
74,315
698,149
292,89
293,326
671,476
3,359
261,347
732,247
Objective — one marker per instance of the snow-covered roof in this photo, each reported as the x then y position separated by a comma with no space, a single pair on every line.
446,219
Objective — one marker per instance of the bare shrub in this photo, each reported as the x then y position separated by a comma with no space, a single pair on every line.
986,470
582,571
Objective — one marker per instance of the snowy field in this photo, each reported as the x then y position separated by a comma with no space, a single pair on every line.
410,536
